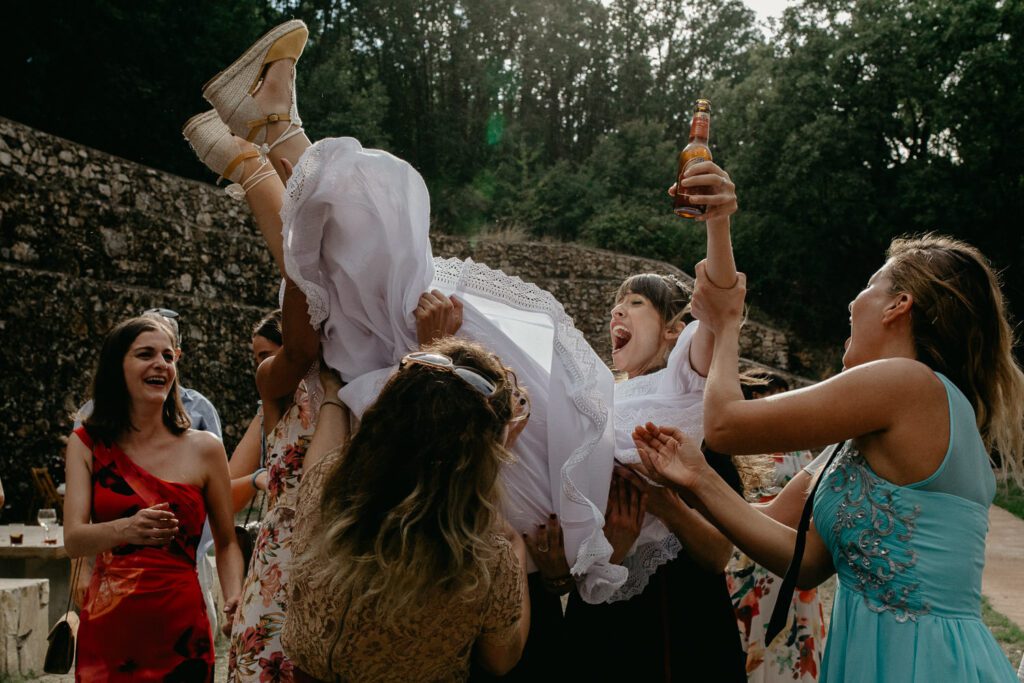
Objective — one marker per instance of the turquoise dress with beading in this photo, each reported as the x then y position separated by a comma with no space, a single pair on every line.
909,561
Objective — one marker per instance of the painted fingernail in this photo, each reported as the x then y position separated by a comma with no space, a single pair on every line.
541,526
553,516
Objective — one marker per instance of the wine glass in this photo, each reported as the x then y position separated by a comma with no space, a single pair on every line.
47,517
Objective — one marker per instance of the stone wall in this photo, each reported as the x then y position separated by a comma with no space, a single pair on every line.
87,239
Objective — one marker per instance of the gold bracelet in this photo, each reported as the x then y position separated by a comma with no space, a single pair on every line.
332,402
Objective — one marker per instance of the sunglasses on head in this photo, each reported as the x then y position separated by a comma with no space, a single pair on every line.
482,385
165,312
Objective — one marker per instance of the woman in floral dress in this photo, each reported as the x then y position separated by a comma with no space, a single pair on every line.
795,654
256,653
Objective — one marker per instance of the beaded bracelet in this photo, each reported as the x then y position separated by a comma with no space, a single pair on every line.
256,474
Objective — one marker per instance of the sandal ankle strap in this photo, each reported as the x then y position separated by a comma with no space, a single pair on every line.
230,168
239,191
254,126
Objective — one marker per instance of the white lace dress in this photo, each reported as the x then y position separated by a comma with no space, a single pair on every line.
356,241
673,396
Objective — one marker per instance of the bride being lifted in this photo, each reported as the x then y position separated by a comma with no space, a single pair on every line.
355,240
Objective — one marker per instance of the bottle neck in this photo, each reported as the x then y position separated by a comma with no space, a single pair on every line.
700,127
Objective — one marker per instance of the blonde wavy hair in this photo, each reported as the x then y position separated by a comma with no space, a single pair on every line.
962,329
411,507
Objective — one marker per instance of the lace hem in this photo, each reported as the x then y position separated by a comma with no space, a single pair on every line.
596,577
642,564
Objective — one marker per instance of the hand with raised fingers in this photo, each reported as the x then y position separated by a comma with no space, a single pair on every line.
662,501
437,316
669,456
707,183
716,307
155,525
547,548
625,516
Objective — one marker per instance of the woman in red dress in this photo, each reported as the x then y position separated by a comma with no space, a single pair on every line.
140,484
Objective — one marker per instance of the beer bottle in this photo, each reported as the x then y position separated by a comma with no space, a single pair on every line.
695,152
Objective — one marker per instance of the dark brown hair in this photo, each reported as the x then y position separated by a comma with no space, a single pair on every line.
111,412
269,327
669,295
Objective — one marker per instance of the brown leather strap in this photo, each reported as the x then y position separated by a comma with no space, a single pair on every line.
226,175
255,125
780,613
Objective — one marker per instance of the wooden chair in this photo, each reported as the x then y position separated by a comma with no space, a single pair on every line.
45,493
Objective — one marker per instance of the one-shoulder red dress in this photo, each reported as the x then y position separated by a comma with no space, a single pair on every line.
144,617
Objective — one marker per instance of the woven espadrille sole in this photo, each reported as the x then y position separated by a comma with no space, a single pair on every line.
232,88
212,142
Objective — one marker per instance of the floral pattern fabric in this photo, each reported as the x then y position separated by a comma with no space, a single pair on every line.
256,655
795,654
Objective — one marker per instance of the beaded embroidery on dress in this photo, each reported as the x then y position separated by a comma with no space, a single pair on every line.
868,505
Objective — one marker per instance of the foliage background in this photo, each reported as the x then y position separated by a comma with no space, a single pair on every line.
844,123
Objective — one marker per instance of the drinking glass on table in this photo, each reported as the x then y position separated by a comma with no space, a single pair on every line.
47,518
17,533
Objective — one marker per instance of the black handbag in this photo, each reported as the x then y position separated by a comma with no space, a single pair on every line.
246,534
247,531
60,652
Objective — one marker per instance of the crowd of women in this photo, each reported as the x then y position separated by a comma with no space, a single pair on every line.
458,488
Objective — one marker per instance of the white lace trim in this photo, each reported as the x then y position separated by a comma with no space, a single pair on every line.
642,564
579,360
304,176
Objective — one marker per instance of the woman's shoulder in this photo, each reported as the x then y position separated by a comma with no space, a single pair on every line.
204,444
901,368
901,381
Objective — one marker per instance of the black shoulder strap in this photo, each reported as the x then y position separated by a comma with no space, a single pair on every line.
785,600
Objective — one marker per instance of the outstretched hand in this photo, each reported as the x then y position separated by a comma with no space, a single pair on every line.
669,457
662,501
437,316
624,518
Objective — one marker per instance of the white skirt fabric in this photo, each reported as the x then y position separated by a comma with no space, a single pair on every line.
356,241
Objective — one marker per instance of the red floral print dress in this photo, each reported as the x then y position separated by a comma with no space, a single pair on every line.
144,617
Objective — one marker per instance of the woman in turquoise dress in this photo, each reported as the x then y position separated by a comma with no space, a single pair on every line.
929,389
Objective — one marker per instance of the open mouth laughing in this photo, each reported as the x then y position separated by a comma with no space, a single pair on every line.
620,337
